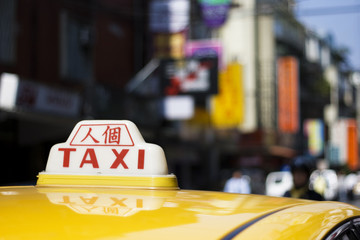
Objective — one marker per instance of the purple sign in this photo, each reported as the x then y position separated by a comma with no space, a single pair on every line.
204,48
215,15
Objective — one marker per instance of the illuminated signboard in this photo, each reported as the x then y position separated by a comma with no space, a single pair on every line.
288,95
169,16
205,48
228,107
190,76
214,12
314,130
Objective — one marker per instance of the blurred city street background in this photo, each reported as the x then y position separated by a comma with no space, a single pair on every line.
219,84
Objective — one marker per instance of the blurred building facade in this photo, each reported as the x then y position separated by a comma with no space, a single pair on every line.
62,61
281,89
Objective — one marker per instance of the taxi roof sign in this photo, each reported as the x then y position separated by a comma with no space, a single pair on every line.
107,152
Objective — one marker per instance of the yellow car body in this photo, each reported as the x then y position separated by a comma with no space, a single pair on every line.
35,212
68,202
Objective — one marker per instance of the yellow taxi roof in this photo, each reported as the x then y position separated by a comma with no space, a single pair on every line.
111,213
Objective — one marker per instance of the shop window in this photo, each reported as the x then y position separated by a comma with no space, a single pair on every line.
76,50
7,31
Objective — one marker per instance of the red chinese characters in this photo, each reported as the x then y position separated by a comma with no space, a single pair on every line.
102,135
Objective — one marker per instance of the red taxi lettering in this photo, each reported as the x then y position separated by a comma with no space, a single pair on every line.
92,160
67,155
119,158
141,159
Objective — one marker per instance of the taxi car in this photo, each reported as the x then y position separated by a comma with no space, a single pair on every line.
106,182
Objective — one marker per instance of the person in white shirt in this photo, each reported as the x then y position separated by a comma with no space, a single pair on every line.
238,183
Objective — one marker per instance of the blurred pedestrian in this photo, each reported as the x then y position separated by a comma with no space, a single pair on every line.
342,186
301,168
350,182
238,183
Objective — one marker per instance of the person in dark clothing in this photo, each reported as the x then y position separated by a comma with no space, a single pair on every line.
301,170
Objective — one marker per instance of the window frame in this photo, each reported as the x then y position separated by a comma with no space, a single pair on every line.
349,228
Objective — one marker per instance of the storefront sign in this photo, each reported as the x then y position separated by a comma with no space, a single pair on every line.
35,97
169,45
228,107
314,130
41,98
169,16
288,95
352,148
204,48
343,136
214,12
178,107
191,76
